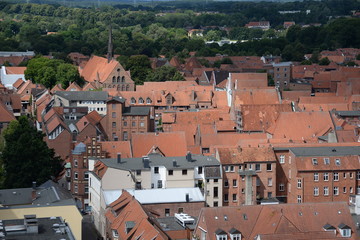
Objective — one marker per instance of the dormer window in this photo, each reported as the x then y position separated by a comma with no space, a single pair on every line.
141,100
314,161
148,101
221,234
115,233
345,230
235,234
326,161
337,162
132,101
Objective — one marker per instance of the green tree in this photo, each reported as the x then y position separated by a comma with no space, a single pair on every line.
139,67
67,73
26,157
165,73
324,61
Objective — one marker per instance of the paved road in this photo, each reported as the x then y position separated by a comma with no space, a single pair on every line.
88,229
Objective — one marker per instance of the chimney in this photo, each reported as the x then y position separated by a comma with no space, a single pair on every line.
34,185
174,163
31,224
187,197
118,157
188,157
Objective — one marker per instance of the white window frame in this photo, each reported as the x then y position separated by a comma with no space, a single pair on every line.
316,177
326,191
281,187
282,159
299,183
316,191
336,191
336,176
326,177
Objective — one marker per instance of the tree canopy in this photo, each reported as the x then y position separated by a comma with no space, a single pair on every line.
26,157
52,71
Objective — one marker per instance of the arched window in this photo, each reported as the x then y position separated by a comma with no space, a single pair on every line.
123,87
127,87
148,101
113,79
132,101
123,79
118,70
118,79
141,100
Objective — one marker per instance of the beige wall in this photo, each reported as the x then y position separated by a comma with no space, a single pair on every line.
178,180
68,213
117,179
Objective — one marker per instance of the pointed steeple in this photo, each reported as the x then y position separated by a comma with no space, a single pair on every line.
110,53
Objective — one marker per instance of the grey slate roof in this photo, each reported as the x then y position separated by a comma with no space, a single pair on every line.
325,151
118,99
79,149
83,95
17,196
158,160
212,172
136,111
348,113
282,64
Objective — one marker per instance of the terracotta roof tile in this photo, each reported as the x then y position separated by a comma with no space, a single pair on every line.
73,87
5,115
18,83
15,70
239,155
113,148
256,96
249,80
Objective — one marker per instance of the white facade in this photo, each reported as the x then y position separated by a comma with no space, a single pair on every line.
99,106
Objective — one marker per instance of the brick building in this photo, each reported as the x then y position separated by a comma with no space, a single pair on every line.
317,174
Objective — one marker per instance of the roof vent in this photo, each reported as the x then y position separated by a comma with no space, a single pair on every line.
300,213
174,163
118,157
146,161
334,150
189,157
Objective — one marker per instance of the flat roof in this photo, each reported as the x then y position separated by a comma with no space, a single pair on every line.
325,151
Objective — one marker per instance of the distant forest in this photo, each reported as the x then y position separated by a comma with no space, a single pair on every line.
161,28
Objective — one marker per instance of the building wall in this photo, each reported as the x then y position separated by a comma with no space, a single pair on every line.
190,208
70,214
282,76
135,124
180,180
119,71
117,179
213,199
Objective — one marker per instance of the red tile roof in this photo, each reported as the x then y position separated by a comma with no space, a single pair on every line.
15,70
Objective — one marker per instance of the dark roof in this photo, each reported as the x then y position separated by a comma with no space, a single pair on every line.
213,172
348,113
171,224
220,76
344,226
325,151
136,111
118,99
167,162
46,229
83,95
17,196
234,231
220,232
329,227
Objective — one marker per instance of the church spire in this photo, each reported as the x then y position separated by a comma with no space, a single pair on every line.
110,53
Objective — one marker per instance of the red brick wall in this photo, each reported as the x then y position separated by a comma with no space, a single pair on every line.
191,208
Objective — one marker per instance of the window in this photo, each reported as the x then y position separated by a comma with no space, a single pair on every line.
281,187
75,162
125,124
358,175
337,162
148,101
269,194
142,124
299,183
299,199
257,167
141,100
326,176
234,197
171,172
269,182
226,197
282,159
336,190
358,190
125,136
181,210
326,161
86,190
336,176
268,167
167,212
76,188
344,189
113,114
226,183
316,191
86,175
351,190
200,170
133,124
316,177
351,175
250,166
184,172
114,124
257,181
232,169
234,183
344,175
216,180
76,175
326,191
227,169
138,172
221,237
235,236
314,161
216,192
345,232
156,170
159,184
132,101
